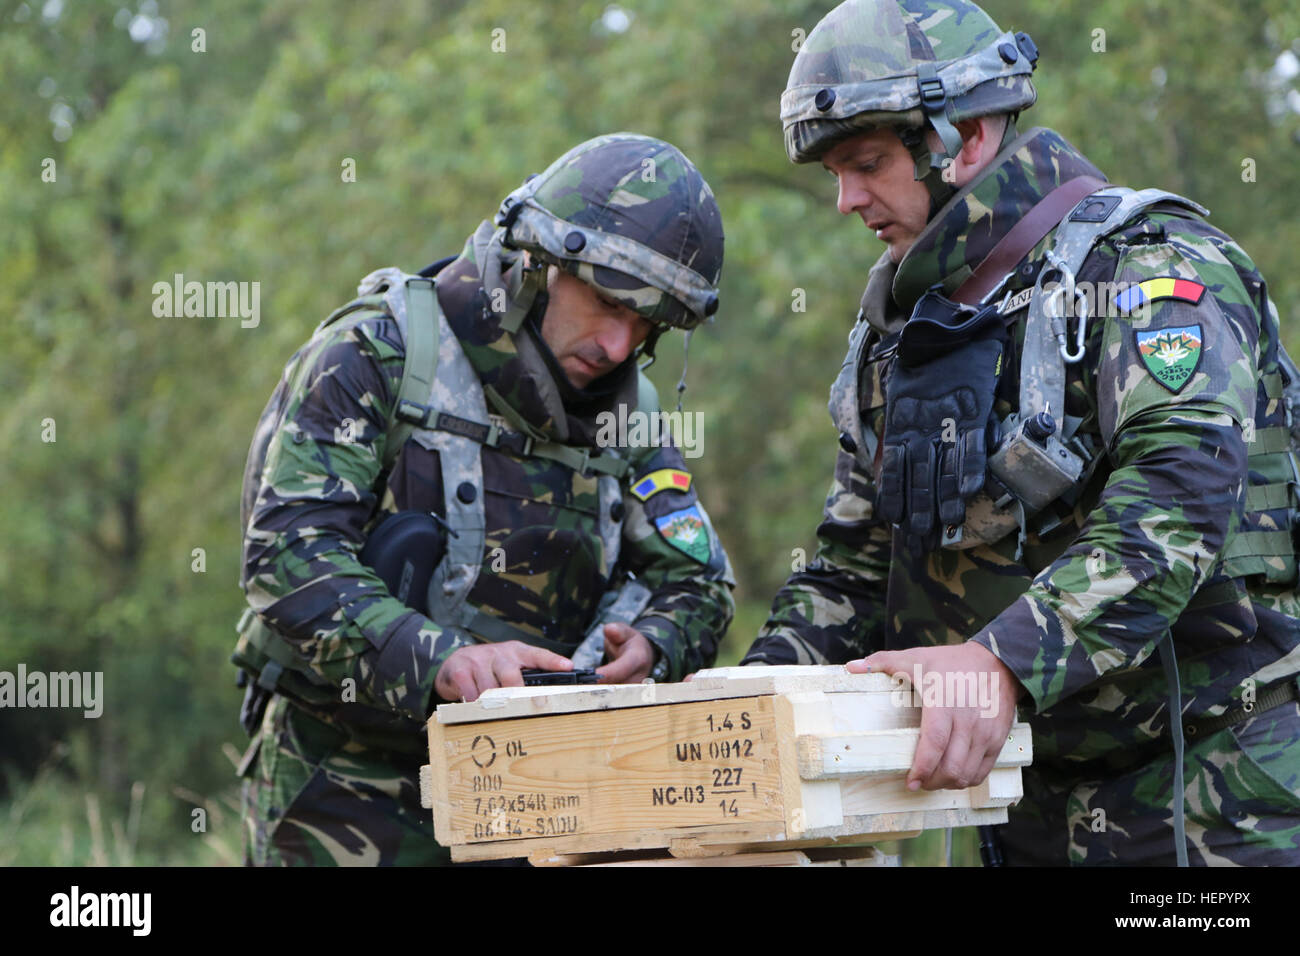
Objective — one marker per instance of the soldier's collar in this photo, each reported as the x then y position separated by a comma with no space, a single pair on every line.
964,231
878,306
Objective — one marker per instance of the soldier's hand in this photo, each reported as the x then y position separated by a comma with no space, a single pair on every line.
471,670
958,745
630,654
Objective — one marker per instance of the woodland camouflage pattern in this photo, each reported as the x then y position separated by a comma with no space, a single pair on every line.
866,51
1078,617
337,781
661,203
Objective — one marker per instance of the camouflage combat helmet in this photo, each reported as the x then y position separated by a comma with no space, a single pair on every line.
629,215
913,65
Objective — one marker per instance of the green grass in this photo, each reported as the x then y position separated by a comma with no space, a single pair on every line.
56,819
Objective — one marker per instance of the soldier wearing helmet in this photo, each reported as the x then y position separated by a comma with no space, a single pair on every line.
1065,470
408,544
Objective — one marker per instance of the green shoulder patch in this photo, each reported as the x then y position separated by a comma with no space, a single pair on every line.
685,531
1171,355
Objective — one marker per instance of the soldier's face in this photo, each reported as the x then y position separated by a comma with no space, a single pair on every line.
589,334
875,174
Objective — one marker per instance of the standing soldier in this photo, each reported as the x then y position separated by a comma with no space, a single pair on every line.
430,507
1064,466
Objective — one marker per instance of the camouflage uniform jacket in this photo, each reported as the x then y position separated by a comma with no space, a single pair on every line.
1077,616
544,568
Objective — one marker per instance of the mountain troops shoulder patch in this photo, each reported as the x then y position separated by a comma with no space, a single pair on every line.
1171,355
685,531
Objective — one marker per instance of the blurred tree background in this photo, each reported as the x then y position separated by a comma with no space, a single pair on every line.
176,136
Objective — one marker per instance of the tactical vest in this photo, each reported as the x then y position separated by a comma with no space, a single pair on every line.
435,369
1025,474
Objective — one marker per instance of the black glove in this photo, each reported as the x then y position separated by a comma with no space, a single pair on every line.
939,422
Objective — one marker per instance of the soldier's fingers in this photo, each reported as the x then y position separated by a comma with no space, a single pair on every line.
924,475
617,634
617,671
626,666
881,662
462,681
482,677
958,764
446,684
528,656
952,507
936,729
506,671
972,463
986,767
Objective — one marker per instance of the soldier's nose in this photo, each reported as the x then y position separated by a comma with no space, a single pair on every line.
616,339
851,197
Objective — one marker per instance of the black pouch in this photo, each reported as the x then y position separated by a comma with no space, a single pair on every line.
404,550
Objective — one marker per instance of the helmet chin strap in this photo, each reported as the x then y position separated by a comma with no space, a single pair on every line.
649,345
648,348
530,281
686,355
930,165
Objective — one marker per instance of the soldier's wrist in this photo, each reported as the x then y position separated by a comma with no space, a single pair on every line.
664,639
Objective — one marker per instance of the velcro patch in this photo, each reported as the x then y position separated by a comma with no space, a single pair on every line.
665,479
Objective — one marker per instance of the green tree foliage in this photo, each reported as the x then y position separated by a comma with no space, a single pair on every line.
215,141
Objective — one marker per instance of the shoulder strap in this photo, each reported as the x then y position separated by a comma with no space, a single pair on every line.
1023,236
1043,360
419,367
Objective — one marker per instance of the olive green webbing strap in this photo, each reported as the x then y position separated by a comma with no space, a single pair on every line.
1170,664
282,657
495,630
419,366
540,446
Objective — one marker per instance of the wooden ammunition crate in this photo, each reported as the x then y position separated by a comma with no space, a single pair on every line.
737,761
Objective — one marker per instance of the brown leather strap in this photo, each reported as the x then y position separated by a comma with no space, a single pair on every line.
1023,236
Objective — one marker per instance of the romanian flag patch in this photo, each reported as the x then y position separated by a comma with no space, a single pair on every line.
665,479
1165,287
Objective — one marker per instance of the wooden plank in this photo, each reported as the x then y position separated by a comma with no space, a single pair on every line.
438,774
542,847
852,712
787,855
599,772
882,827
868,829
642,768
1001,788
426,787
821,757
791,790
505,703
798,678
821,804
774,858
